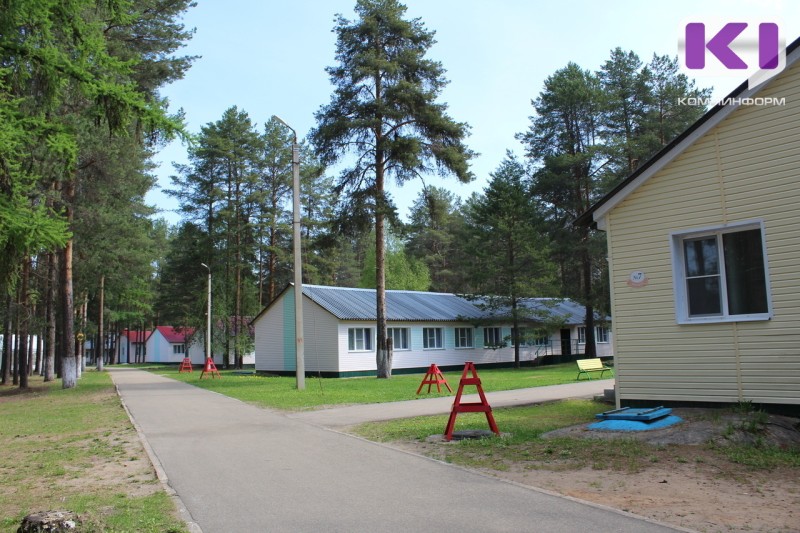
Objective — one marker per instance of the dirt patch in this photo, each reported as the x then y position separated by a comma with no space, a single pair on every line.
127,471
685,481
16,394
700,494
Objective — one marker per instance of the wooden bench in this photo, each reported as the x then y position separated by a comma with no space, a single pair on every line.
587,366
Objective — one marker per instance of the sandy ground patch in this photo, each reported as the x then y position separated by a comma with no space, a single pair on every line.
688,484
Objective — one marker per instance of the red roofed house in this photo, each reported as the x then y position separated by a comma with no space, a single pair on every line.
168,344
132,344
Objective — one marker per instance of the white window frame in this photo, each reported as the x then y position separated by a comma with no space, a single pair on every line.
531,337
467,341
405,335
679,273
359,336
437,338
499,335
601,334
179,348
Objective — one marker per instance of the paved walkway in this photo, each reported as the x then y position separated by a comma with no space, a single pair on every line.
236,467
358,414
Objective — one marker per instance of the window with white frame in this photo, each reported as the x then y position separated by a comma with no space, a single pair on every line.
432,338
540,337
600,334
359,339
721,274
463,337
492,337
178,348
531,337
399,338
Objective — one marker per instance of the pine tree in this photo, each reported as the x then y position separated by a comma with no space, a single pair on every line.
432,237
625,103
273,218
222,190
563,139
509,247
384,111
669,115
70,67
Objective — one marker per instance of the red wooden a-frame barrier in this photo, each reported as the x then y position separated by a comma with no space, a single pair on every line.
434,377
474,407
186,365
210,367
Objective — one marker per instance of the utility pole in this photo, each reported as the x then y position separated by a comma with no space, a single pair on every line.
298,263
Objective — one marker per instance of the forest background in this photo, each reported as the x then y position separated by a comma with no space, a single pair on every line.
82,117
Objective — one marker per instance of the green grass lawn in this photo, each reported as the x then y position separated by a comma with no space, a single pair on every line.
76,450
522,428
522,446
281,392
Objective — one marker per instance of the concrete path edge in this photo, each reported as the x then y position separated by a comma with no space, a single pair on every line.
183,512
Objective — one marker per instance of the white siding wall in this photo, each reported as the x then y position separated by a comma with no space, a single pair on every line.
319,336
150,349
419,357
269,339
161,351
326,343
744,169
196,352
321,349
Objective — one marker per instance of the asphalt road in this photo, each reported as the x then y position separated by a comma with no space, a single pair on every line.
234,467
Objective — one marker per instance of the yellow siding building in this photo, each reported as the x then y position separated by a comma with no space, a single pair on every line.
704,257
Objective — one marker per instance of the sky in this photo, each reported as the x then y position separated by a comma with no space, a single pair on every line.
269,58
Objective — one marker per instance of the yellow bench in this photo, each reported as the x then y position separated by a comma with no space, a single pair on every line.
586,366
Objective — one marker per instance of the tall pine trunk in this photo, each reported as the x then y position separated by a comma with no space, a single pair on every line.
24,323
50,356
383,352
80,345
69,363
100,333
8,325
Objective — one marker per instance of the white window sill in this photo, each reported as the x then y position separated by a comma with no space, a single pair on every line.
724,319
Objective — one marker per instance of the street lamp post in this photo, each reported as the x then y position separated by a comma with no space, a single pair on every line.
298,263
208,316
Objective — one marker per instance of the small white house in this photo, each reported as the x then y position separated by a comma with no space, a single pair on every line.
425,328
168,344
131,345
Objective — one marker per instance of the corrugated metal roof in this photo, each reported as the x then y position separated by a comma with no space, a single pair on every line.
359,304
570,312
